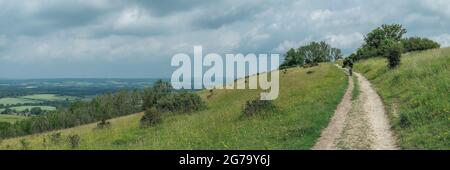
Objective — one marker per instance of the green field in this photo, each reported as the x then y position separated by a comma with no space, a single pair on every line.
304,107
22,108
35,98
13,101
416,96
49,97
10,118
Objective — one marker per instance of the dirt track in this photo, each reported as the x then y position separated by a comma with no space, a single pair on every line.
358,124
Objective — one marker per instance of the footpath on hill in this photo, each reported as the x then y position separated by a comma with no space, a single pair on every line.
358,124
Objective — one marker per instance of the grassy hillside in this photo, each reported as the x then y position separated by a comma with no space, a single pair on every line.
308,98
416,96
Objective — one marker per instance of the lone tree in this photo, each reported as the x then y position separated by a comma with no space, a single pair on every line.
376,37
375,40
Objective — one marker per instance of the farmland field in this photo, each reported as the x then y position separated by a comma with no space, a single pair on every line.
13,101
22,108
11,118
49,97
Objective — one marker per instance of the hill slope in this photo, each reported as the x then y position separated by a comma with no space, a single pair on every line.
306,102
416,96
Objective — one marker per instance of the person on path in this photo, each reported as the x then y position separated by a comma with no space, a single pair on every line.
350,67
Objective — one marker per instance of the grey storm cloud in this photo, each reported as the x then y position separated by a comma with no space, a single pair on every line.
115,34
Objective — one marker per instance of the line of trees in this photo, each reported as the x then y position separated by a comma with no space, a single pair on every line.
311,54
418,44
100,108
104,107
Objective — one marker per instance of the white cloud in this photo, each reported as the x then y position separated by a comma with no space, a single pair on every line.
102,31
320,14
439,6
345,41
443,39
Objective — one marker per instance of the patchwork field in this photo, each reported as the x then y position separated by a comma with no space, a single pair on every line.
35,98
14,101
49,97
11,118
22,108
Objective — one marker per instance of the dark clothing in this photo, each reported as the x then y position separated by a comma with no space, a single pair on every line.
350,67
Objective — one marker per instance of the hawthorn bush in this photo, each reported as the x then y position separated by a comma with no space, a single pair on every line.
392,51
183,102
257,107
151,117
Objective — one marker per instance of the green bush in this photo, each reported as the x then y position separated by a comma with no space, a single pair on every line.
74,141
183,102
257,107
151,117
25,145
392,51
151,96
418,44
103,124
55,137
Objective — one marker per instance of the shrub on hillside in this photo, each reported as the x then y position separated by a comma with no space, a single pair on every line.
417,44
6,129
55,137
183,102
392,50
103,124
74,141
257,107
24,144
151,117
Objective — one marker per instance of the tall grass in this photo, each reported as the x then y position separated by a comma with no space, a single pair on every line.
304,107
416,95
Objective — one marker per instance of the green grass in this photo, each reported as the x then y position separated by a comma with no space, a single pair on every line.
22,108
416,95
13,101
356,90
11,118
304,107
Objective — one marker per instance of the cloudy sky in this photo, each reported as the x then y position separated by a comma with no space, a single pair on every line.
137,38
